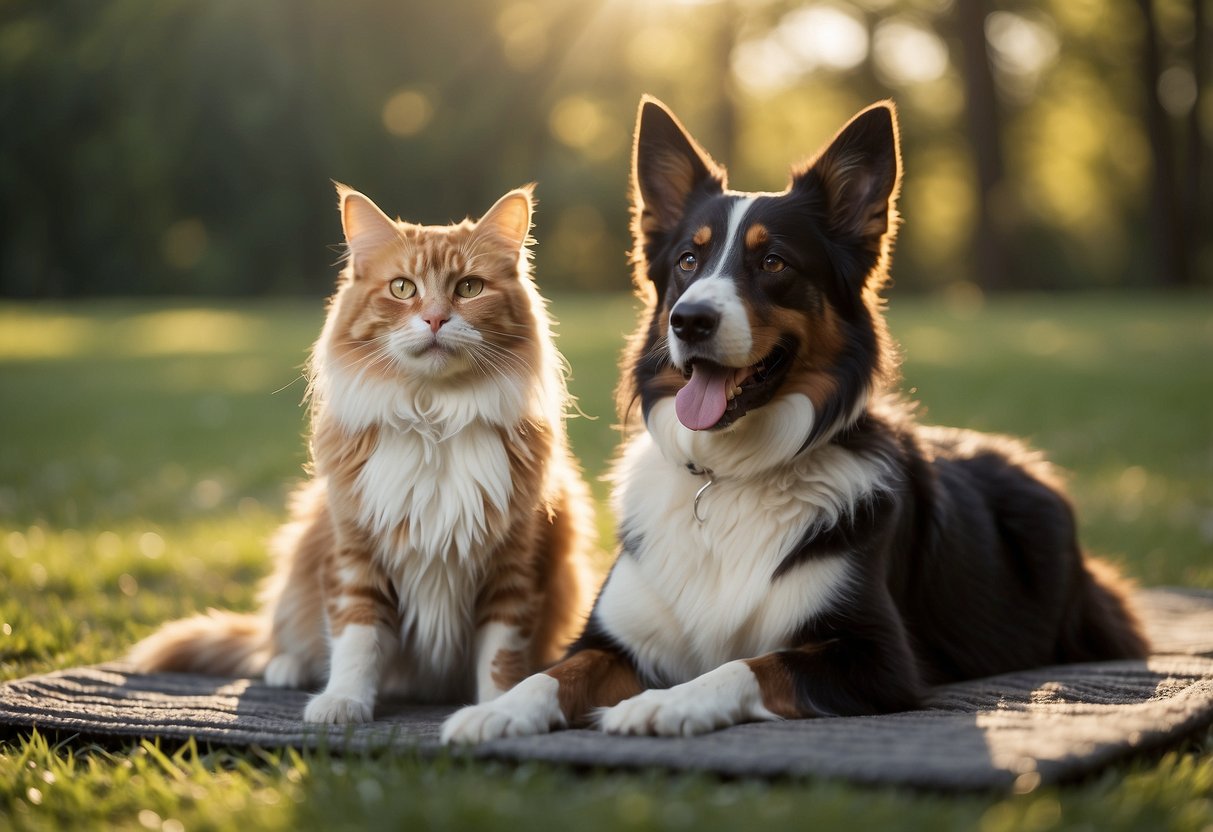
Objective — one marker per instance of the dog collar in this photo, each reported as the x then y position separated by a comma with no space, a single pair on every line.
700,472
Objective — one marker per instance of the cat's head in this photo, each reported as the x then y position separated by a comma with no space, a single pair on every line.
433,303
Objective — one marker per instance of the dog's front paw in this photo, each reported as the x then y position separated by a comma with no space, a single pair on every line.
337,709
665,713
725,696
530,707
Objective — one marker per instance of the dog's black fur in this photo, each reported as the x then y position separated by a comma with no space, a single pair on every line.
969,564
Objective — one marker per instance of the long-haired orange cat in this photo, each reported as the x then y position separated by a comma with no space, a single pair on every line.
438,548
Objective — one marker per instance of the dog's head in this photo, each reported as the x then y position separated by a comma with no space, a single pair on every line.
755,298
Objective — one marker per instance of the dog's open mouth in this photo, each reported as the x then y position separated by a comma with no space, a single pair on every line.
715,396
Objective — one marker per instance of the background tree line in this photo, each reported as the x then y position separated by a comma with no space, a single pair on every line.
186,146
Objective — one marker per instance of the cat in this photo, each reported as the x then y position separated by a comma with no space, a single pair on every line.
440,548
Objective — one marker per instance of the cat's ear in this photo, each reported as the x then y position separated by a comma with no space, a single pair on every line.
859,174
367,229
509,220
667,166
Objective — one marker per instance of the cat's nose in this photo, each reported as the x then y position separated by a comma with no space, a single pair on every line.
435,322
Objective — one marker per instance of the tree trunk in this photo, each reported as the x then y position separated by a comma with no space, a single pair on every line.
989,242
724,128
1195,193
1166,224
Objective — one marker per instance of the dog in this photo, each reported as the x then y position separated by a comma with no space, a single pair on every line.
792,543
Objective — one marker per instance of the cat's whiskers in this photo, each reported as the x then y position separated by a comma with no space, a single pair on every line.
497,364
365,361
520,336
504,356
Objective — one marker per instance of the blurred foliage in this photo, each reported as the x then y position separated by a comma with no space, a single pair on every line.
185,147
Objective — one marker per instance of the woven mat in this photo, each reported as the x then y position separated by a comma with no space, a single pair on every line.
1018,730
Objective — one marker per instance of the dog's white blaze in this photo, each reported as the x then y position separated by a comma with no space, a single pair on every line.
732,234
733,341
725,696
530,707
491,639
693,595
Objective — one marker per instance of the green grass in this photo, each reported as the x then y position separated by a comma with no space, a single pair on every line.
147,449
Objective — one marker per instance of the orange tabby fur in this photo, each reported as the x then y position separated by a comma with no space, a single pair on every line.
439,547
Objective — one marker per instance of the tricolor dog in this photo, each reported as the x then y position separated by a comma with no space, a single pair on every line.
791,542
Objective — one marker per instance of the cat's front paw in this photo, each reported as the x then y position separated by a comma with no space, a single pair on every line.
336,709
530,707
286,670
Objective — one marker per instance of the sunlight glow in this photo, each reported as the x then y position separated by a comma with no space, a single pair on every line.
1020,45
1177,90
660,50
582,124
907,53
407,112
763,66
824,36
1021,49
524,37
828,36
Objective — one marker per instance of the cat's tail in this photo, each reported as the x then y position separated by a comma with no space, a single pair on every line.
219,643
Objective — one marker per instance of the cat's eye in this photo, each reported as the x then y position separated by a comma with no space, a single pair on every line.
469,287
403,288
773,263
688,262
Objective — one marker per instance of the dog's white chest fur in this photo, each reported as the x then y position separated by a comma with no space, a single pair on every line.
690,596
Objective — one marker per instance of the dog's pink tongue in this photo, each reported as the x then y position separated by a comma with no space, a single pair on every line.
703,400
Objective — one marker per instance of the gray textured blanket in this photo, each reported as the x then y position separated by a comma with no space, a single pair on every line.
1017,730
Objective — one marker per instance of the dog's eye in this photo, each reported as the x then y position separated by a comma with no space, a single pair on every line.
403,288
773,263
688,262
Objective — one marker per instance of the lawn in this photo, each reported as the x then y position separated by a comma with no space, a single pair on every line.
148,448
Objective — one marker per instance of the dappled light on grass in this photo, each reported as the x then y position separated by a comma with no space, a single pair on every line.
188,332
164,332
24,336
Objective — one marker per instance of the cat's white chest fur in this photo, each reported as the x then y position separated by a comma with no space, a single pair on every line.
435,497
435,509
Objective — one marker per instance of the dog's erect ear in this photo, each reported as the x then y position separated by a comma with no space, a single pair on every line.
367,229
860,173
667,166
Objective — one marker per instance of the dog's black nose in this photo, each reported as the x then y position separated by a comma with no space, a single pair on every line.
693,322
